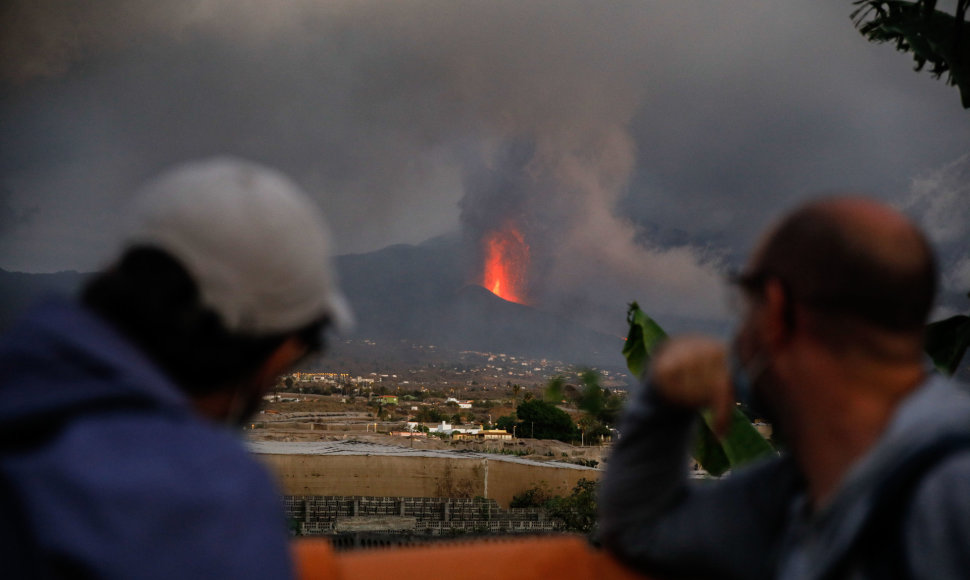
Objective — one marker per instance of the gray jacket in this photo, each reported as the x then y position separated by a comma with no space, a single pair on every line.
752,523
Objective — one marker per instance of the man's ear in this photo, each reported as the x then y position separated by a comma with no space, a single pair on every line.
779,312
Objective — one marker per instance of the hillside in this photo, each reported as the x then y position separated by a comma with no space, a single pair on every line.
413,293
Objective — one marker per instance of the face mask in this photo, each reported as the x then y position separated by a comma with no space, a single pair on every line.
743,379
242,406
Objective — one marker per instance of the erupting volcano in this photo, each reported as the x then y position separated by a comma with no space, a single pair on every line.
506,263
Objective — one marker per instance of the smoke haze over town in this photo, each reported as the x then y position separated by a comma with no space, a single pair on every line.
637,148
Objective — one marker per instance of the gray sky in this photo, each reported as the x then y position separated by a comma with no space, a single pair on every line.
634,123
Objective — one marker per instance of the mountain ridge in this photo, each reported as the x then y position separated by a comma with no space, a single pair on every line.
419,293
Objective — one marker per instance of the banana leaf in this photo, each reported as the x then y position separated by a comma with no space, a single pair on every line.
642,340
743,442
933,37
947,341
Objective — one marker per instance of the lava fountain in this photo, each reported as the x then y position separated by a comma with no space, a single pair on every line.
506,263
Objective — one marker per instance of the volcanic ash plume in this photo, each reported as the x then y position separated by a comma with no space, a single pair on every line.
940,200
393,110
539,214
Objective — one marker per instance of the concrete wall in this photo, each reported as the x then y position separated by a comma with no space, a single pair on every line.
396,476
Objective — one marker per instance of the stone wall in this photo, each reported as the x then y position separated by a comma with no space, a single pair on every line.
416,476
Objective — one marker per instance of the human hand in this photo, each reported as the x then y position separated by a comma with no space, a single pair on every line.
692,372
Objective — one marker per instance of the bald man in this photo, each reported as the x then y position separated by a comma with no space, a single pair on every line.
875,479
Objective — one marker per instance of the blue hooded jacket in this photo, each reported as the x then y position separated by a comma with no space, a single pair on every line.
107,471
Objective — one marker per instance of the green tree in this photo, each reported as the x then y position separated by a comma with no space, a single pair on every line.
515,396
601,408
577,511
429,415
591,429
592,399
542,420
383,413
287,383
554,390
534,497
506,422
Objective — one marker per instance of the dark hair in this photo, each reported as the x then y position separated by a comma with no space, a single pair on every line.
151,299
850,279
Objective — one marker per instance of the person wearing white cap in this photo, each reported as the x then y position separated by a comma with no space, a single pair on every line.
115,461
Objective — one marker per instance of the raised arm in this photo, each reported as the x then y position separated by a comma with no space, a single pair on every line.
651,515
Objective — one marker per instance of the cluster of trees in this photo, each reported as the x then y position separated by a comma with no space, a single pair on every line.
577,511
543,419
599,406
426,414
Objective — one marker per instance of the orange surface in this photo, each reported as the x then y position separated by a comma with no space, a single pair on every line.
561,558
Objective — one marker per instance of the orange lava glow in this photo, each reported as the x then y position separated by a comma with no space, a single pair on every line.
506,263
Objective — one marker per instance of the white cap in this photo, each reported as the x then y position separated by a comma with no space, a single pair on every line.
257,247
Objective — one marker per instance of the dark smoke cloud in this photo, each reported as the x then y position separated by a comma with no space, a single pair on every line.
10,216
45,38
940,200
585,261
592,122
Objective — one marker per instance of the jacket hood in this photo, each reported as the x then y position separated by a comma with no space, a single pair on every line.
936,411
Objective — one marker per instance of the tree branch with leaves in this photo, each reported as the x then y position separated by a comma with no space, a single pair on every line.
932,36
